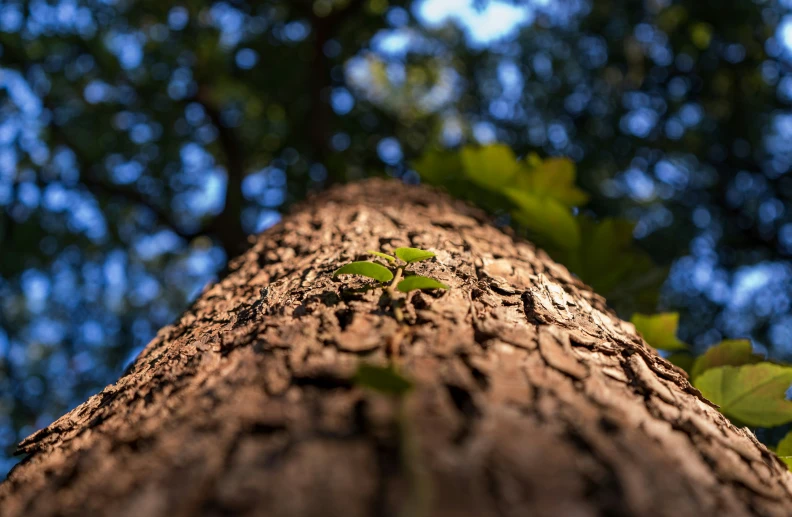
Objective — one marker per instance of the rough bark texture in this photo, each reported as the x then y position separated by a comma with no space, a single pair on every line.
532,397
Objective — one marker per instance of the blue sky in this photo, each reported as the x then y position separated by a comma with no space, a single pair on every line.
482,25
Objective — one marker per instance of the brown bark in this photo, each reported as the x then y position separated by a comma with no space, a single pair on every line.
532,397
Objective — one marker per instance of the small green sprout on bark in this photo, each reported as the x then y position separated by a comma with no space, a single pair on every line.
388,380
395,275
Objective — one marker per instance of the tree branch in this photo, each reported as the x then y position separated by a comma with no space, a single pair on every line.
321,73
227,226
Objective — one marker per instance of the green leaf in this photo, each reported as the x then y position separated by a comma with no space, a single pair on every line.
606,244
659,330
785,446
551,221
438,167
784,450
491,167
413,254
382,255
382,379
414,282
369,269
753,394
610,261
554,178
731,352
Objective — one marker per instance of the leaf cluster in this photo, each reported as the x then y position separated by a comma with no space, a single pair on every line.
748,389
540,198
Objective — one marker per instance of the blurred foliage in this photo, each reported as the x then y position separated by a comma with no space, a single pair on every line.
140,142
539,197
659,330
752,395
382,379
731,352
747,388
784,449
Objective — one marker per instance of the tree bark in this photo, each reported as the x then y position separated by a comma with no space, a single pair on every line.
532,397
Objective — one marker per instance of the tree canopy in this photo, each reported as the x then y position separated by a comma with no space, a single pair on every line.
141,142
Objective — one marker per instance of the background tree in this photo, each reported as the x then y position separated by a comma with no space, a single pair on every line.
141,141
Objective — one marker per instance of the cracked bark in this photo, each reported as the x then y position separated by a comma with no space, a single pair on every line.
532,397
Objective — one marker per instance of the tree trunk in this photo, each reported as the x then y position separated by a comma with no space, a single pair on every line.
531,398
